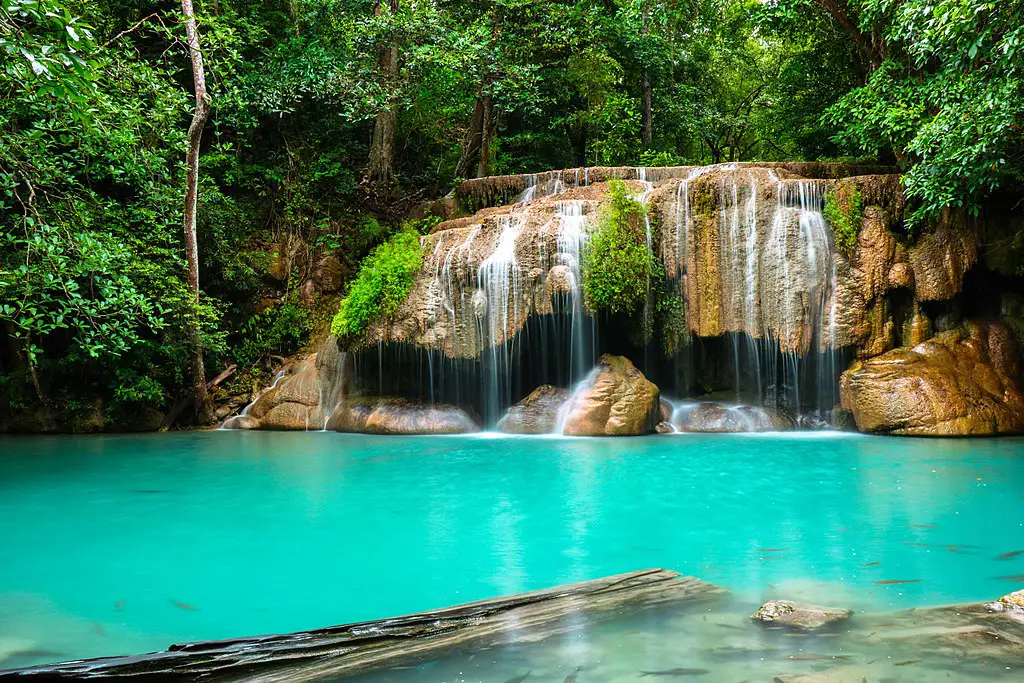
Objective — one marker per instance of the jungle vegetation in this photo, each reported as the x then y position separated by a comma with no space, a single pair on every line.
280,133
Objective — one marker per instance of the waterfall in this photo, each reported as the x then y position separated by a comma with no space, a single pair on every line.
499,281
572,240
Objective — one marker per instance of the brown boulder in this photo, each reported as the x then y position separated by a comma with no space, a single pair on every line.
389,415
941,258
959,383
616,400
329,274
535,414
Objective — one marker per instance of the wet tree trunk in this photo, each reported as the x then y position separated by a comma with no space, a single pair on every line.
382,147
195,135
647,132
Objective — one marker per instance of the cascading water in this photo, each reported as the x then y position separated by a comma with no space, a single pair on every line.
499,284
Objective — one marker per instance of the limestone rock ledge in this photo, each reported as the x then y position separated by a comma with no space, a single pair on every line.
964,382
615,400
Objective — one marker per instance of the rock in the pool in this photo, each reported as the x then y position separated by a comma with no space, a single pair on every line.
616,400
709,416
1011,603
799,616
390,415
535,414
960,383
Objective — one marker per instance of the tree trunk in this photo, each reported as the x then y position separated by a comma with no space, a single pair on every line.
647,133
469,160
195,134
486,130
382,147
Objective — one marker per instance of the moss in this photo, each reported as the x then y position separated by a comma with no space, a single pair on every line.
844,211
672,318
618,264
384,280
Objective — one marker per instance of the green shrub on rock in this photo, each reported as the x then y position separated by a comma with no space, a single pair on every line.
384,280
617,263
844,210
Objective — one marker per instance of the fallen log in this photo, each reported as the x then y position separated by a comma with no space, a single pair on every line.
351,649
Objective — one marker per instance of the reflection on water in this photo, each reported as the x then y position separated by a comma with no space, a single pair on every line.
103,539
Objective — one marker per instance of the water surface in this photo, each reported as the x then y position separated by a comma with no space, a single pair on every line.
118,544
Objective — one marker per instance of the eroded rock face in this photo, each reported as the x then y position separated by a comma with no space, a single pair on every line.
388,415
537,413
1012,604
798,615
616,400
960,383
291,403
709,416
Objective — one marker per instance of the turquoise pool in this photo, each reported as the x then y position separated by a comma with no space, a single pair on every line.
119,544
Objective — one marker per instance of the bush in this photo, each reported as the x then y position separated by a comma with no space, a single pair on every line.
280,330
617,264
844,209
384,280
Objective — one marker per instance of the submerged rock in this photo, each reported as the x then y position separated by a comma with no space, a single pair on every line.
390,415
719,418
798,615
959,383
537,413
616,400
1011,603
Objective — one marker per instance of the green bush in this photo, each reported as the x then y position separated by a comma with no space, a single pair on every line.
844,210
617,264
384,280
280,330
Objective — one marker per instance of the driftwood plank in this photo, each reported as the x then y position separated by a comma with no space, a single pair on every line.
357,648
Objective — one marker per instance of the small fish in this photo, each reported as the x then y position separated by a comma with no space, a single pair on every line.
1011,554
519,679
119,605
184,605
1015,578
772,550
812,657
922,526
737,628
890,582
908,662
872,564
679,671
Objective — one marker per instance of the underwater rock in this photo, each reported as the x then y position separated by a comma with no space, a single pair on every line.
798,615
722,418
1011,603
391,415
616,400
535,414
959,383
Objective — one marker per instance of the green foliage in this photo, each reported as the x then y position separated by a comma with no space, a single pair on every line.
844,210
675,334
383,283
280,330
617,263
947,100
